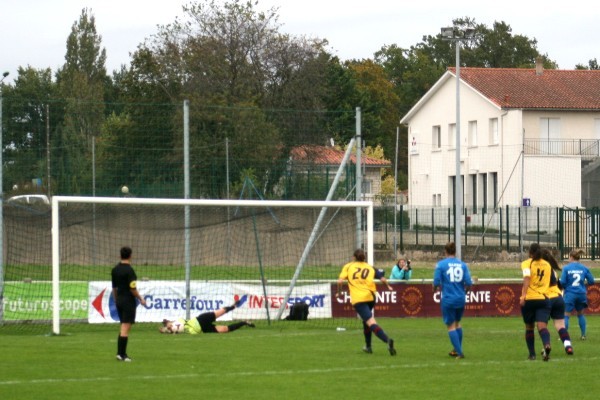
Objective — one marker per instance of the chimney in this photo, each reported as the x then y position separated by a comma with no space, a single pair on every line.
539,66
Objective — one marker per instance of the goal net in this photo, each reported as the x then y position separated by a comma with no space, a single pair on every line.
190,257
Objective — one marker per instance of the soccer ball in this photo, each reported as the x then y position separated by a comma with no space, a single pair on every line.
176,327
124,190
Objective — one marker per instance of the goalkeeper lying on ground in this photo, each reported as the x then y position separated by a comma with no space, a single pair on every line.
203,323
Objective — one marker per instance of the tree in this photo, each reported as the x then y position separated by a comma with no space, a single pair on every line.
25,130
592,65
234,66
81,82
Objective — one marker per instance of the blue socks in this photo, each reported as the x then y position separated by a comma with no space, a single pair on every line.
455,340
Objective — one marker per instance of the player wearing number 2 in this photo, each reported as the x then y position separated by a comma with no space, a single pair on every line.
453,279
360,276
574,279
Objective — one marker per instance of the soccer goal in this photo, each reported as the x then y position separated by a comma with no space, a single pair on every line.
194,256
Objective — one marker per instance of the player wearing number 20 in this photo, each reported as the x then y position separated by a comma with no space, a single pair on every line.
453,279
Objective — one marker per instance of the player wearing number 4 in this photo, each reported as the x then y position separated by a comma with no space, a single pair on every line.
453,279
360,277
574,278
535,304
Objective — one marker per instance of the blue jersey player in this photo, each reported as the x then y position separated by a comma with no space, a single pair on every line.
574,279
453,279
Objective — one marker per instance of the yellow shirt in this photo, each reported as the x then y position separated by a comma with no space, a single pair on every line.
360,277
553,290
190,325
539,271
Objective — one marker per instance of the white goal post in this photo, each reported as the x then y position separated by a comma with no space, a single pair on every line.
362,227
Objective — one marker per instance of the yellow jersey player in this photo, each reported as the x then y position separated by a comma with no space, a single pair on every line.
360,277
535,305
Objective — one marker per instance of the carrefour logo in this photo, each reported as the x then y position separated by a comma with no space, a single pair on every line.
98,302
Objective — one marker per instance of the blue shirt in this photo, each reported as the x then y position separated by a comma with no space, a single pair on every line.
453,276
574,277
400,274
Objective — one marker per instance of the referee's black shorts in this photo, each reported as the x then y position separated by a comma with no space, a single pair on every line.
126,312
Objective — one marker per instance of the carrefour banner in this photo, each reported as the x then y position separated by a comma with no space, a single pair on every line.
164,299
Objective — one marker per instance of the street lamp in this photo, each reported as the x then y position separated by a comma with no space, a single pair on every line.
4,75
457,36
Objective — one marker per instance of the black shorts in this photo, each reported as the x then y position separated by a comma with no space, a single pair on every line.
536,311
557,310
206,322
365,310
126,312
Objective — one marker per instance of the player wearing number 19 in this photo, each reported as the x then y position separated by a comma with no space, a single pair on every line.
360,276
453,279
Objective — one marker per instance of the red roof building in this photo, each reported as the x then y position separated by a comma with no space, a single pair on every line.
527,136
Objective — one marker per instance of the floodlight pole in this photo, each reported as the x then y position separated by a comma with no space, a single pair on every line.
457,36
4,75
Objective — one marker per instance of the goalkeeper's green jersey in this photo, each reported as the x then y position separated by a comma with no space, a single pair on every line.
191,325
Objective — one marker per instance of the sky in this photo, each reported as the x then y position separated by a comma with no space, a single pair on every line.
34,32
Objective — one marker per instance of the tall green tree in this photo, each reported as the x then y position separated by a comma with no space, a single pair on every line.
235,67
81,82
28,104
379,104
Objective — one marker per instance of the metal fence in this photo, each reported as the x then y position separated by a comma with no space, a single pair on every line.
508,229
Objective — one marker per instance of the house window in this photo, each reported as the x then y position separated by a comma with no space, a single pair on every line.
597,129
452,136
549,133
472,133
484,191
367,186
494,179
436,137
452,190
474,192
494,137
437,200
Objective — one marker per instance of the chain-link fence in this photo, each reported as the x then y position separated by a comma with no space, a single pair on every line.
68,147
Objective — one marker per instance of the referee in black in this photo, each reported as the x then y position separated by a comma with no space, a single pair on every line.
125,293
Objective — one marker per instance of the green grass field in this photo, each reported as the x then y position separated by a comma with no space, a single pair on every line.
295,360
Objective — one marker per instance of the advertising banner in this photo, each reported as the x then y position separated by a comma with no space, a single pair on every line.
419,300
258,305
33,300
164,299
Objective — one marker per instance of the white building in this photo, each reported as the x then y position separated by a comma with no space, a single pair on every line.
527,135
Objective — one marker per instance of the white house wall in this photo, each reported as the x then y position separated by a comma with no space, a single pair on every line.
552,181
548,181
430,170
573,125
